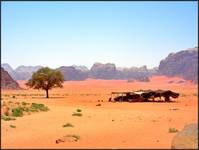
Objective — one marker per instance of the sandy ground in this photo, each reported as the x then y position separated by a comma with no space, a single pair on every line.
111,125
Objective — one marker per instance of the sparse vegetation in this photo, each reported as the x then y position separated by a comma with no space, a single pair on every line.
40,107
24,103
12,126
17,112
68,125
46,79
172,130
77,114
17,109
7,118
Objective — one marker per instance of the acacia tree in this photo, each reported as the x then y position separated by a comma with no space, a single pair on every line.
46,79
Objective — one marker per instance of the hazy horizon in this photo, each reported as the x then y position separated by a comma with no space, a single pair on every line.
128,34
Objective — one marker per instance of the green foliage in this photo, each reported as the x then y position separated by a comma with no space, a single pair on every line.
12,126
172,130
46,79
68,125
17,112
6,118
41,107
77,114
24,103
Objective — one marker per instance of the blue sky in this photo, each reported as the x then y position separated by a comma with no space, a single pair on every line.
125,33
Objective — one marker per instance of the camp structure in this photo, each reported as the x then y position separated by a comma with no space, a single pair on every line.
142,96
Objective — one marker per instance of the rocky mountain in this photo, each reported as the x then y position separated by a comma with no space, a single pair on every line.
72,73
103,71
7,81
106,71
97,71
82,68
29,69
137,73
25,72
183,64
9,69
21,72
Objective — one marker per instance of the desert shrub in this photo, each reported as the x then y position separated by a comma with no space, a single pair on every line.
44,108
78,110
98,105
26,109
17,112
32,110
77,114
13,96
68,125
40,107
24,103
6,118
12,126
172,130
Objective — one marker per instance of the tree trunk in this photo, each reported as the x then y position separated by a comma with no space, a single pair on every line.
47,94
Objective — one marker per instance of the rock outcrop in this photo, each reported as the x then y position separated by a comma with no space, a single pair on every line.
7,81
187,138
72,73
21,72
183,64
103,71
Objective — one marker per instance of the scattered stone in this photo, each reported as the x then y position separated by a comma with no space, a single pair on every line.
174,109
187,138
154,121
59,141
71,138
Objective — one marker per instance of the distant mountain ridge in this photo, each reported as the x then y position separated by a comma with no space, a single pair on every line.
21,72
7,82
183,64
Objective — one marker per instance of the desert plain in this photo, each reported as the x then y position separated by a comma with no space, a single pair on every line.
110,125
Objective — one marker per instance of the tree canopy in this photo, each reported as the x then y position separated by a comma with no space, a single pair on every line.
46,79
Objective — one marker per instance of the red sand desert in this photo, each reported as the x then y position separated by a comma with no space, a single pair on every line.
111,125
